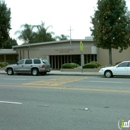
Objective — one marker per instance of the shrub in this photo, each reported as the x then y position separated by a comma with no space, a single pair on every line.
90,65
70,65
95,62
3,64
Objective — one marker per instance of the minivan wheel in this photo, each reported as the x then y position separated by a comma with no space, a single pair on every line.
35,72
10,71
108,74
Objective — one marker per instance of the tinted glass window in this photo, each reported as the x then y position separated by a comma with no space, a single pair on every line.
36,61
129,64
45,61
20,62
28,62
125,64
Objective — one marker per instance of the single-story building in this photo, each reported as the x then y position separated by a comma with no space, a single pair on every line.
60,52
8,55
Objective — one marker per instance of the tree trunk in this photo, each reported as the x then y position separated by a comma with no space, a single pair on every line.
110,56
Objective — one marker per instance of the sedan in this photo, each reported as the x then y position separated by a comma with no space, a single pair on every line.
122,68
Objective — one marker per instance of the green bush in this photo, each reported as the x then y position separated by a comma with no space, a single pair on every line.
90,65
3,64
70,65
95,62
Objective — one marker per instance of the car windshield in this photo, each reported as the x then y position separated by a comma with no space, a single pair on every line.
20,62
124,64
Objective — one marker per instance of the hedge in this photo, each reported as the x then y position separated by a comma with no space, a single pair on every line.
95,62
90,65
3,64
70,65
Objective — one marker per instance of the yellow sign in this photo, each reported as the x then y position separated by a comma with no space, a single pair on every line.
81,46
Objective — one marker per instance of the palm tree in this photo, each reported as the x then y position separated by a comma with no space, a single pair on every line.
27,34
62,37
42,34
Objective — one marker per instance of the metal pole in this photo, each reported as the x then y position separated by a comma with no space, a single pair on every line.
82,61
28,52
70,35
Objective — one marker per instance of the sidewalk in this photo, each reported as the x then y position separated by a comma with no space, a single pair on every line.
58,72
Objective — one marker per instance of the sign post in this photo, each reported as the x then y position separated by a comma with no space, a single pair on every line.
81,50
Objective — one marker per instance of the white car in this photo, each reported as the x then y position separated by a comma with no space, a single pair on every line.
122,68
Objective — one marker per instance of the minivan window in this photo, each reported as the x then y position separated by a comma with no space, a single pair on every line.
28,62
36,61
20,62
45,61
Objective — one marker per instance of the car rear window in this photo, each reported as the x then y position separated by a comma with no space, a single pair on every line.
45,61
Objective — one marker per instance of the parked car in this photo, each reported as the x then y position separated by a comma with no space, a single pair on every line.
32,65
122,68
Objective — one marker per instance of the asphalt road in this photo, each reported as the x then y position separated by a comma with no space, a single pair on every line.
63,102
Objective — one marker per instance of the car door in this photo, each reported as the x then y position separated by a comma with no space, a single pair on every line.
121,69
18,67
129,68
27,66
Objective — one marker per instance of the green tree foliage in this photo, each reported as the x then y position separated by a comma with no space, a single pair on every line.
61,37
4,23
34,33
9,43
27,34
42,34
110,26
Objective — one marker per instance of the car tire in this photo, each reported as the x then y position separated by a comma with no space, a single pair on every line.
10,71
108,74
34,72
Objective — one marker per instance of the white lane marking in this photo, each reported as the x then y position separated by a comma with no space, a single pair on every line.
7,102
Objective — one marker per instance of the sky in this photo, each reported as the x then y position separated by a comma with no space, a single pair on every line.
60,14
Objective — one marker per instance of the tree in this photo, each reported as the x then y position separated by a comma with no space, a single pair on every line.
42,33
4,23
62,37
9,43
26,34
110,26
31,35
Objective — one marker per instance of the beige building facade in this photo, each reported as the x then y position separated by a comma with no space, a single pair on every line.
8,55
60,52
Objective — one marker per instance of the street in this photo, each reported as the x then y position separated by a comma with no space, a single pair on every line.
63,102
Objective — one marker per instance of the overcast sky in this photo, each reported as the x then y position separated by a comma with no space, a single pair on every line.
61,14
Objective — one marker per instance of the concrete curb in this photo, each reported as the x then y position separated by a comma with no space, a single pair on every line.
67,73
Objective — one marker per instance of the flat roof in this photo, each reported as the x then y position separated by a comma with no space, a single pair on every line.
7,51
52,42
